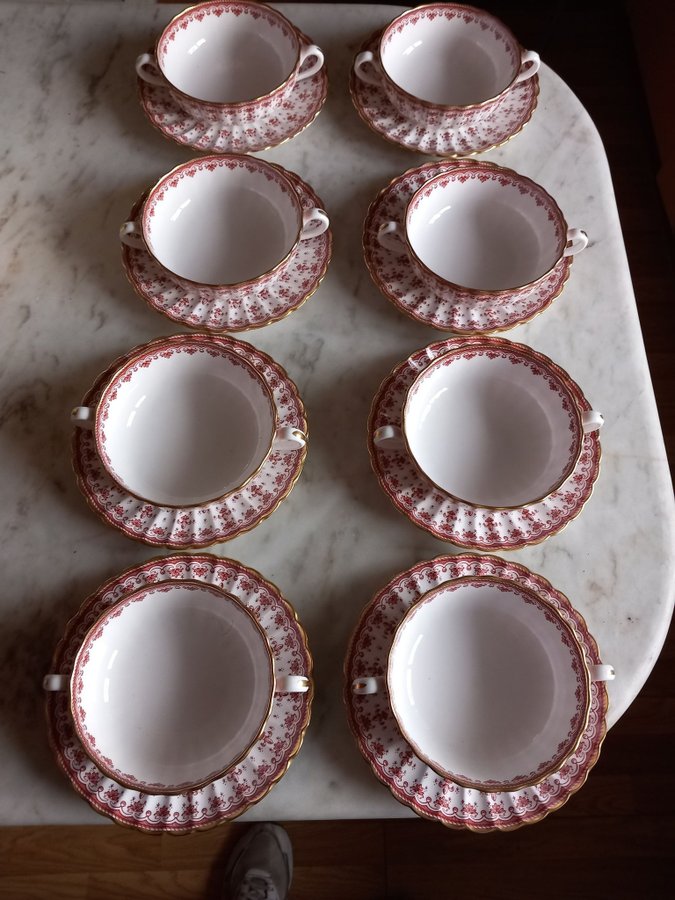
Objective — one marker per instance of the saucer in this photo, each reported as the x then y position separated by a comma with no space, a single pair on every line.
209,523
468,526
181,126
249,780
510,116
257,304
392,759
451,309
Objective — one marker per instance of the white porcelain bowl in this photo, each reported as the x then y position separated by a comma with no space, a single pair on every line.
171,687
185,422
488,684
234,60
494,426
483,230
221,221
445,62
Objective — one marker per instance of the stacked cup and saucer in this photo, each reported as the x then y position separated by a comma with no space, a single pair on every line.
445,79
481,441
232,76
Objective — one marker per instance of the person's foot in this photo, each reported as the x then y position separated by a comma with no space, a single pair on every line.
260,865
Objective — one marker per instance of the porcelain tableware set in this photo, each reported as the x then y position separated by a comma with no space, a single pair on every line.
473,687
182,688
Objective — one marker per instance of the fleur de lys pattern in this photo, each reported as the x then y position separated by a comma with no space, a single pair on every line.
247,782
195,526
392,759
258,126
259,303
447,308
479,132
467,526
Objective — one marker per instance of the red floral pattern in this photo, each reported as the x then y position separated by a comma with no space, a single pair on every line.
256,128
409,779
576,662
234,309
249,780
480,129
460,523
209,523
234,113
78,708
446,308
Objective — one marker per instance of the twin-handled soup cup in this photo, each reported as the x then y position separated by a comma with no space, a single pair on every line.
220,222
482,231
492,424
172,686
185,422
446,63
488,683
230,61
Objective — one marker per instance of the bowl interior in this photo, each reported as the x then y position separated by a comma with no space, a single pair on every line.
222,221
492,427
485,230
228,52
172,685
185,424
487,683
451,57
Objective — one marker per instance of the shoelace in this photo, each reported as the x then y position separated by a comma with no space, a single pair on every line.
257,888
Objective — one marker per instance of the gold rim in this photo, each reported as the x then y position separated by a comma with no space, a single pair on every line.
118,777
179,340
322,73
480,292
603,699
219,157
416,149
535,357
52,733
583,723
238,328
239,104
456,540
81,480
451,107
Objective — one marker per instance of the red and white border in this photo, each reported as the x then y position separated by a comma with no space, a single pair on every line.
447,309
481,132
247,782
262,130
391,758
259,303
209,523
467,526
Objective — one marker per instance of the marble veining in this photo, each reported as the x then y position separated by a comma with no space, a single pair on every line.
76,155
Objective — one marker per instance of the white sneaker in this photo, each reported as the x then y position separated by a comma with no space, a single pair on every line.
261,865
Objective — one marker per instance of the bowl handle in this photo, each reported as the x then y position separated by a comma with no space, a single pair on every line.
577,240
529,65
602,673
292,684
55,682
147,69
375,77
83,417
389,437
370,684
592,420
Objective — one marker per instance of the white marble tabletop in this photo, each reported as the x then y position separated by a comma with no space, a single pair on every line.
75,152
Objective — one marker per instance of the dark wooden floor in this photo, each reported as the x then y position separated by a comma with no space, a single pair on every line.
615,838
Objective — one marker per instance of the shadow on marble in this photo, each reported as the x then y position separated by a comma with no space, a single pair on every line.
28,639
106,67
